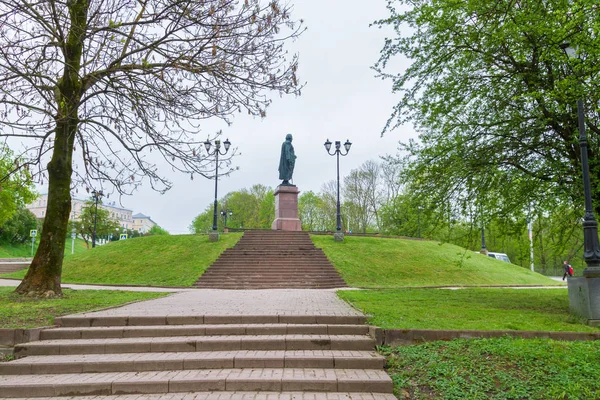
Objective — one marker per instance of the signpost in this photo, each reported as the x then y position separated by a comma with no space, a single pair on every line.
123,236
32,235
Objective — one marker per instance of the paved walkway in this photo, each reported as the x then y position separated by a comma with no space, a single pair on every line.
15,283
237,302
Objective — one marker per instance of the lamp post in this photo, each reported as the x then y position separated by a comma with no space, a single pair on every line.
97,195
215,235
224,214
483,248
419,208
339,235
591,253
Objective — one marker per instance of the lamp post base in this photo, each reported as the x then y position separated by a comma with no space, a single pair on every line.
584,299
213,237
338,236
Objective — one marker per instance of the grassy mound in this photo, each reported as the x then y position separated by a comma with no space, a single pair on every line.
23,312
9,250
372,262
473,308
175,260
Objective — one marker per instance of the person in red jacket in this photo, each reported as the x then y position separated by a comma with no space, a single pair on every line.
568,270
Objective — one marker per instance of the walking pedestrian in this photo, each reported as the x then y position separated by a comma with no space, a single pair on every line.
568,270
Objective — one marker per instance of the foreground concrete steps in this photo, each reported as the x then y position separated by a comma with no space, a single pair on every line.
239,396
141,320
198,330
194,343
272,259
253,379
86,363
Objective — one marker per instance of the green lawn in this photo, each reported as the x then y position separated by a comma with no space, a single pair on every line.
504,368
372,262
23,312
175,260
8,250
475,308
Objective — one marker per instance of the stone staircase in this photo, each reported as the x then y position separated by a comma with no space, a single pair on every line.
13,264
272,260
200,357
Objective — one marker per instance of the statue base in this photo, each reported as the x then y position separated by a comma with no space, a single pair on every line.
286,209
584,299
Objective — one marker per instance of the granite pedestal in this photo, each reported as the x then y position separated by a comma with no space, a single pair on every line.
286,209
584,298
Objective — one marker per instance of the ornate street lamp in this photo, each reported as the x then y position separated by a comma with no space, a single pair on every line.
216,153
97,195
591,252
224,214
337,152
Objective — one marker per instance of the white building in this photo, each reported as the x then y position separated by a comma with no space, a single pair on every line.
142,223
122,215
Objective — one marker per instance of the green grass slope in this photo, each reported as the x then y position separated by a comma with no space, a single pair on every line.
372,262
472,308
9,250
175,260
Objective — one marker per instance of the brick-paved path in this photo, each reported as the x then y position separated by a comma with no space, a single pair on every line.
238,302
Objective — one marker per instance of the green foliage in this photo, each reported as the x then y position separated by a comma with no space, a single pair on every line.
502,368
16,229
174,260
157,230
98,216
16,187
252,208
494,98
473,308
25,312
311,212
373,262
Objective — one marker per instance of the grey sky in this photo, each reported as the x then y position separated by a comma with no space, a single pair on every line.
342,100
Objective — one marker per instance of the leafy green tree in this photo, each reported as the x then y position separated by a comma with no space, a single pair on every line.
104,223
16,187
102,84
17,228
203,222
157,230
310,211
494,98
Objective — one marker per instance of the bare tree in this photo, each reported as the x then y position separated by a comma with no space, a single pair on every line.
362,189
98,85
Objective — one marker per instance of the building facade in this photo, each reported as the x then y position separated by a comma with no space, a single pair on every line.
123,215
142,223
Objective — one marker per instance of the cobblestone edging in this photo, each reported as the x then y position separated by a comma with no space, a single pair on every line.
404,337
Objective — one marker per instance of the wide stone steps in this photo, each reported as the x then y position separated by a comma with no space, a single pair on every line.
253,379
272,260
239,395
200,330
194,343
11,265
142,320
199,356
87,363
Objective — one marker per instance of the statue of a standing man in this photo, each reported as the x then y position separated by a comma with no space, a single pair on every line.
287,160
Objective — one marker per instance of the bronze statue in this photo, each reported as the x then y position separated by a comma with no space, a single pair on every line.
287,160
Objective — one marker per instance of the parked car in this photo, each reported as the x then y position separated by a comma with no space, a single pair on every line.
499,256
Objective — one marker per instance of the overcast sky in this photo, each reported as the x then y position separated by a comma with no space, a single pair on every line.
342,100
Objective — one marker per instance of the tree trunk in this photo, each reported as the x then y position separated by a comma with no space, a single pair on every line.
44,275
